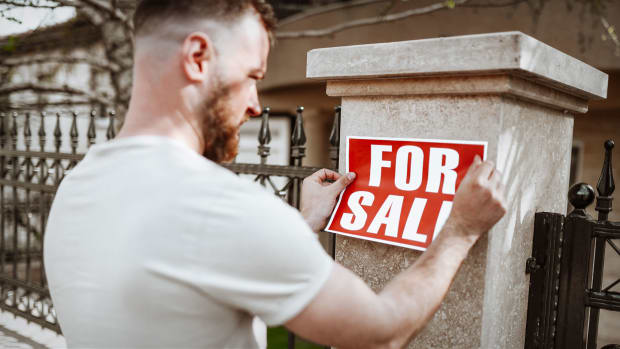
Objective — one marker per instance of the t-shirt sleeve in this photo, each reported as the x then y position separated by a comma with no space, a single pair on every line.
261,256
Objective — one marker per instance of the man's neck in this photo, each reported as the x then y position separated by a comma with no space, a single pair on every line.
172,124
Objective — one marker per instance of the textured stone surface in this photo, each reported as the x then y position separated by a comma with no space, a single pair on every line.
508,89
504,85
486,306
481,54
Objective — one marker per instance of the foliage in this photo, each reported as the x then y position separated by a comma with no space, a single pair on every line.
10,45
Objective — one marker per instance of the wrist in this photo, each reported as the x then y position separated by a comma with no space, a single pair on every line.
458,235
310,220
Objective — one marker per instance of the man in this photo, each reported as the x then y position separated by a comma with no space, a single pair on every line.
151,244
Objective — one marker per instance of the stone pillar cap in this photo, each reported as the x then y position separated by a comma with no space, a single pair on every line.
512,53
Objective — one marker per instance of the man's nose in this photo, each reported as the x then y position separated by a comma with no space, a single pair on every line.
254,108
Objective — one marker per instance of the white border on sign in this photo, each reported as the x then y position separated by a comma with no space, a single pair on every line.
346,165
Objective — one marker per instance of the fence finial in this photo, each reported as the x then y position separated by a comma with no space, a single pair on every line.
92,132
264,135
299,135
580,195
298,140
334,139
605,185
14,131
42,134
74,133
27,132
57,133
111,132
2,130
264,138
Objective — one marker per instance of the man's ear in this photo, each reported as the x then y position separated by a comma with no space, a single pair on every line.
197,53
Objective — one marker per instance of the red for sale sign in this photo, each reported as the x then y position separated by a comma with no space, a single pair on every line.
404,188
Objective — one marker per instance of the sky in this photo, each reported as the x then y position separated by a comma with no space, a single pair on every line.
32,18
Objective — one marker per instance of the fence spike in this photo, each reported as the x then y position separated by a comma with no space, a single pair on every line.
92,132
605,185
334,139
27,132
264,138
111,132
264,135
2,130
14,131
42,134
74,133
299,135
57,133
334,136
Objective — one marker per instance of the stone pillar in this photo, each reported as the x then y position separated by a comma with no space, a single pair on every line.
508,89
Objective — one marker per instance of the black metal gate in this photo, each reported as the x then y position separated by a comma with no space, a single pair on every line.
566,269
29,179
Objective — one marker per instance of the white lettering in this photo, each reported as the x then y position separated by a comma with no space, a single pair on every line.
436,168
415,168
357,219
413,221
388,214
377,163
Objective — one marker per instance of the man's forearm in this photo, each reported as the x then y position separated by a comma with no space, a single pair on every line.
416,294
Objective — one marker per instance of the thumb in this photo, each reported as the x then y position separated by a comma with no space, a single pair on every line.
343,181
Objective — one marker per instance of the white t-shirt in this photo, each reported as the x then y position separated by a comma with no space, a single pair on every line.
149,244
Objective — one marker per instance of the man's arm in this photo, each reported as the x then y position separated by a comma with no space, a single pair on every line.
346,313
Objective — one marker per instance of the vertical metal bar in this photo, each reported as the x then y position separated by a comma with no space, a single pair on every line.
3,141
73,134
27,179
111,132
92,131
543,268
43,175
571,314
264,138
605,188
298,152
15,176
57,144
334,156
291,340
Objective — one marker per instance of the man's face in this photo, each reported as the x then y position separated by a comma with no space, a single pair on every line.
240,63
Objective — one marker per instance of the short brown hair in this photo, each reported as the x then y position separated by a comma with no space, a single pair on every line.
150,13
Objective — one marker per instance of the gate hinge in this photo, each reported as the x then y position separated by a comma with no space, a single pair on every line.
531,265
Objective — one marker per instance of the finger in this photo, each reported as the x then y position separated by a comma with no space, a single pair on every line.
324,174
485,169
343,181
496,176
501,189
474,165
331,175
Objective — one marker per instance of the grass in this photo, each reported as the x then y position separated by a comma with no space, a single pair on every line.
277,338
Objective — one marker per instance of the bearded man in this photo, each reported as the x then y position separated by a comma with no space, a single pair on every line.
150,243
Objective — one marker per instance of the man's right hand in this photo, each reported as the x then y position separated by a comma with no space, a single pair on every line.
479,202
346,313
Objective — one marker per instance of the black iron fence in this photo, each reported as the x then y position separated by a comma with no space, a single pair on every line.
566,267
32,165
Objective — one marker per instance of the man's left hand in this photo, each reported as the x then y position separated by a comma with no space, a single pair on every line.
319,192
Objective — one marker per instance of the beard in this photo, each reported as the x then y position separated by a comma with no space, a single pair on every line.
220,134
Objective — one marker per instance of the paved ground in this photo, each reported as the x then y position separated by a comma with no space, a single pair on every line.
17,333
